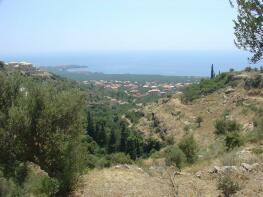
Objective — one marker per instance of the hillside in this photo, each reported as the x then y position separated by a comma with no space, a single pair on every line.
232,158
60,137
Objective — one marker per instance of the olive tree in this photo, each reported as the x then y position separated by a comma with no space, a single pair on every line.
249,27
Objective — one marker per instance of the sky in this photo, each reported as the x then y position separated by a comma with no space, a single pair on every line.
48,26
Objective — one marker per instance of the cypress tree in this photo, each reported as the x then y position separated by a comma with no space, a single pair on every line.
90,127
102,137
131,147
212,72
96,132
123,140
112,142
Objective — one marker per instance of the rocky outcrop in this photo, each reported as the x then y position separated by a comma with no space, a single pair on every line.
229,90
234,169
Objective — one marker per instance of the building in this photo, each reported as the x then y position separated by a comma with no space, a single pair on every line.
154,92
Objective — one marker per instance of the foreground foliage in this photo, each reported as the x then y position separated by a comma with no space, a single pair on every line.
41,121
248,27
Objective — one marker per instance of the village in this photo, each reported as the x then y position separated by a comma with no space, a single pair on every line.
136,89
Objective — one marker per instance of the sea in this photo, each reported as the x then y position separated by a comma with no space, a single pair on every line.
179,63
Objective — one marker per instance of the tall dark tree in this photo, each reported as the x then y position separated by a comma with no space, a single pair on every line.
132,147
249,27
102,137
90,127
124,137
112,142
212,72
97,131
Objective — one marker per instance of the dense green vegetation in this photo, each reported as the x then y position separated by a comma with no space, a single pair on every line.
41,121
205,87
112,134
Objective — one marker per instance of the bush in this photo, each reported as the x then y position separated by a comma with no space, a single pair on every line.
42,121
120,158
189,146
175,156
49,186
199,119
8,188
233,140
34,184
224,126
39,185
227,186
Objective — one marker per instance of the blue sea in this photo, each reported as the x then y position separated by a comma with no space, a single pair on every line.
181,63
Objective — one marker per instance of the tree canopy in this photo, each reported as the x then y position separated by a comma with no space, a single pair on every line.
249,27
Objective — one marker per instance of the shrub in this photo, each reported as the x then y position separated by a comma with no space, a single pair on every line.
223,126
189,146
227,186
43,124
103,162
175,156
8,188
199,119
233,140
21,173
49,186
120,158
220,127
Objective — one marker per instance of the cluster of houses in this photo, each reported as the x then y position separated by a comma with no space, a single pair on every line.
136,89
27,69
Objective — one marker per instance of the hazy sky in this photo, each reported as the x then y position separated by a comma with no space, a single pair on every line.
43,26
